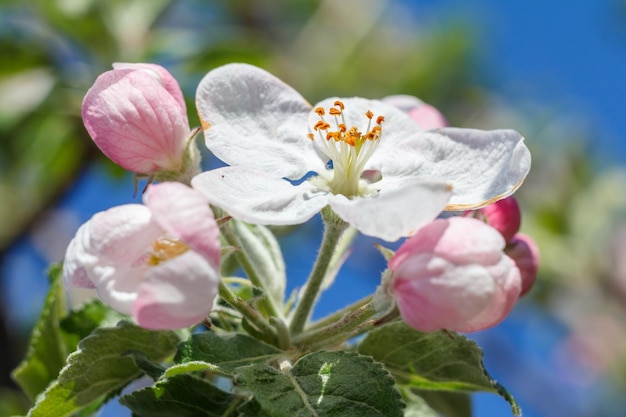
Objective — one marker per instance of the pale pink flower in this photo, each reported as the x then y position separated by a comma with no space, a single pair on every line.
525,253
158,262
136,115
424,114
452,274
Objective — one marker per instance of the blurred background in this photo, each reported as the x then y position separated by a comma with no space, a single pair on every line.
552,70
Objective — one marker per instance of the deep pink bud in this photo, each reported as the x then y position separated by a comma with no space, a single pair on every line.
136,115
424,114
525,253
504,216
453,274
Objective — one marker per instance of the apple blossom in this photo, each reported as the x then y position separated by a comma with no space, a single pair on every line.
452,274
289,160
158,262
525,253
424,114
136,115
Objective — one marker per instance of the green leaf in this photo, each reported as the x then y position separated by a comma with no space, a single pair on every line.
341,384
182,395
99,367
264,252
89,317
227,351
443,361
47,347
448,403
416,406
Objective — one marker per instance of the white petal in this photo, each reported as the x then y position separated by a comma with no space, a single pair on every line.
121,235
397,211
177,293
482,166
112,239
256,197
117,285
251,117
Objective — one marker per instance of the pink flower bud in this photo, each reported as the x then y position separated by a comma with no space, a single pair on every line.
424,114
524,252
452,274
504,216
158,262
136,115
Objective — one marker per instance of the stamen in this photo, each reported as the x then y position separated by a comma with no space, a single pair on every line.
334,112
164,249
348,148
321,125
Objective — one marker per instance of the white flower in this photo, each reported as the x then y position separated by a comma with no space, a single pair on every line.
289,160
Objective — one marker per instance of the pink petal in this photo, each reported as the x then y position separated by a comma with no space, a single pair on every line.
135,121
424,114
452,274
525,253
177,293
504,216
163,77
185,214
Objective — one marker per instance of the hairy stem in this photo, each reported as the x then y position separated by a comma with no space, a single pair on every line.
333,229
253,316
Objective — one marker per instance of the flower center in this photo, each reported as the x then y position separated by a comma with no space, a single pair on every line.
348,149
165,248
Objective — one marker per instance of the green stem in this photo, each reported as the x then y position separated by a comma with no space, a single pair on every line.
337,315
342,329
333,229
267,303
247,311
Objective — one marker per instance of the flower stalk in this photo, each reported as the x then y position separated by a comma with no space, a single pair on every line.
333,230
248,312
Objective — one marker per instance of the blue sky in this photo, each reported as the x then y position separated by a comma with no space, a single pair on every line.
570,55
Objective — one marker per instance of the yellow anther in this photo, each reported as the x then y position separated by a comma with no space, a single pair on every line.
339,104
320,111
321,125
342,127
334,112
380,119
310,136
369,114
164,249
374,133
